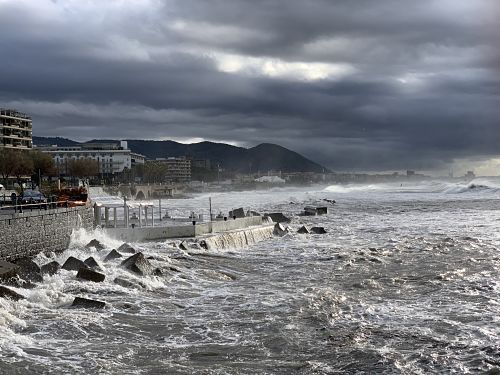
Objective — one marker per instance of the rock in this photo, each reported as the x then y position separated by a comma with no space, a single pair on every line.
125,283
88,303
113,254
139,264
8,270
126,248
8,293
318,230
310,211
303,230
195,246
95,244
29,270
280,230
278,217
50,268
158,272
238,213
90,275
322,210
90,262
73,264
183,246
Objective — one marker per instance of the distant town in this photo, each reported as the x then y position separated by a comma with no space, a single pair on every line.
117,166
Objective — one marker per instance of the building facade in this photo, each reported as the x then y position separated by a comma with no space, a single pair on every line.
177,169
15,130
112,158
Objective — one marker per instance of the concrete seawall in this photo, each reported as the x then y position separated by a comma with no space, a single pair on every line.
139,234
30,233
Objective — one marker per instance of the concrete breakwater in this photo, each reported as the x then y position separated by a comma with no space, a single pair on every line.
30,233
138,234
238,238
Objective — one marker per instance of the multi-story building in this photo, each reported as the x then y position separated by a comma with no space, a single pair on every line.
178,169
112,158
15,130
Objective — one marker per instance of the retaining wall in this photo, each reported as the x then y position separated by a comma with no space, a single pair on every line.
139,234
30,233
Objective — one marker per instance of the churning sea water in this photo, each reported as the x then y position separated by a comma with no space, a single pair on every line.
406,281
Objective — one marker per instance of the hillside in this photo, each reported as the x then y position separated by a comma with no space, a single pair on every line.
263,157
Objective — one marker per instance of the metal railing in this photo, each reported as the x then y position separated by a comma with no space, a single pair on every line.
40,206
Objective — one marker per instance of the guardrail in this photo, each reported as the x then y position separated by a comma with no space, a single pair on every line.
42,206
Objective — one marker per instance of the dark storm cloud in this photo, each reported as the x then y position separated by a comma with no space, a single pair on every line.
354,85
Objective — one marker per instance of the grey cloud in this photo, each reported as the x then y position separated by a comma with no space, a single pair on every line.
423,90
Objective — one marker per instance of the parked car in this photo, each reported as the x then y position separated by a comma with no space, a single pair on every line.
31,197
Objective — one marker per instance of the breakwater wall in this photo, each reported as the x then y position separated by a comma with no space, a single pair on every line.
30,233
239,238
139,234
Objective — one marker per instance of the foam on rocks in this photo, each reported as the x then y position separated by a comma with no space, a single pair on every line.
10,294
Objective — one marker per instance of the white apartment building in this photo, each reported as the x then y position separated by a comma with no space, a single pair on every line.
112,158
15,130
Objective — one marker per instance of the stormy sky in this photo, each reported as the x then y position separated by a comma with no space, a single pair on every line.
353,84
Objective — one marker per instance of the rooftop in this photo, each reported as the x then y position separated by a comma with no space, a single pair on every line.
13,113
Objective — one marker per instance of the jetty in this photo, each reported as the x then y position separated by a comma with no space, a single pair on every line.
136,222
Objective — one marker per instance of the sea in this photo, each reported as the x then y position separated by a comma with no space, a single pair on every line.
405,281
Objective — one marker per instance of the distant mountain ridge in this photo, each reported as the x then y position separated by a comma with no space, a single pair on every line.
264,157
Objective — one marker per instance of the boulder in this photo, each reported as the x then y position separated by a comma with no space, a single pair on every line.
90,275
278,217
238,213
318,230
332,201
8,270
303,230
90,262
280,230
125,283
321,210
29,270
126,248
137,263
310,211
8,293
113,254
50,268
95,244
88,303
73,264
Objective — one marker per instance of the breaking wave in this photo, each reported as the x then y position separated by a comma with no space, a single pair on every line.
477,186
